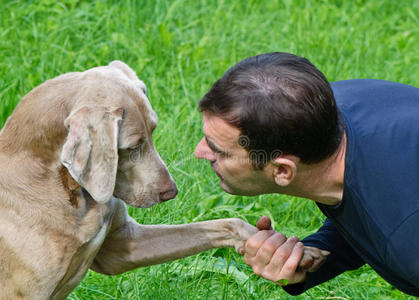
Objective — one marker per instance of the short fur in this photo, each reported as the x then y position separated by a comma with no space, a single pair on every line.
74,151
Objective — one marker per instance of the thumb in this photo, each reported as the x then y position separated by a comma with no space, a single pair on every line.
264,223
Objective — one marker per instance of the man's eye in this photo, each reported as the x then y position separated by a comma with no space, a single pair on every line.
223,154
216,150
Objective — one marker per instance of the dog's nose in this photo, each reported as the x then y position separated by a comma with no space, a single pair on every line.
168,194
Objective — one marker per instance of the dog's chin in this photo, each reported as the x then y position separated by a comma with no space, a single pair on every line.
144,204
142,200
141,203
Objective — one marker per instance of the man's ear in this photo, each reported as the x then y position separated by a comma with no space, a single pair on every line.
284,170
90,152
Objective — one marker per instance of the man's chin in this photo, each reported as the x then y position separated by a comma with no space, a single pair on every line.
225,187
233,191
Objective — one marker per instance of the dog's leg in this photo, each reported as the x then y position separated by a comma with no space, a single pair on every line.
134,245
130,245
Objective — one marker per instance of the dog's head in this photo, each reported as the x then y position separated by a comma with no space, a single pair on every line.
109,148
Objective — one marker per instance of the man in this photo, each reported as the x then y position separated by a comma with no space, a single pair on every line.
273,124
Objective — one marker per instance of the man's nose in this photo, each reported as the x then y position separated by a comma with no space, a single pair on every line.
202,151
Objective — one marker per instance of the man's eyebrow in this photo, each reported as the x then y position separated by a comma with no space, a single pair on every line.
212,146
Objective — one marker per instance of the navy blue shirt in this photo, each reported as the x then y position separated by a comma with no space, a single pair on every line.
377,221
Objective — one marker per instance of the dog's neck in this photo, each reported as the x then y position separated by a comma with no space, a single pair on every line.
28,136
31,143
71,187
29,175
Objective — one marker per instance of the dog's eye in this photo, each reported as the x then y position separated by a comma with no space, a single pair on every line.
136,152
135,148
138,146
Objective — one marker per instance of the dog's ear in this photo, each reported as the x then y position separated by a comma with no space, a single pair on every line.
90,152
124,68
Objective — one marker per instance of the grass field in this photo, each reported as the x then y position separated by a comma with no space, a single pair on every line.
179,48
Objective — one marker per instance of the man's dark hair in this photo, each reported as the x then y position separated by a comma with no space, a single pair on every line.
281,103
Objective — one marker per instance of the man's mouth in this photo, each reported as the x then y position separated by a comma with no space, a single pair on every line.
216,172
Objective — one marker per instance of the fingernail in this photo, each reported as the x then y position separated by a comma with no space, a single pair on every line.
324,252
299,244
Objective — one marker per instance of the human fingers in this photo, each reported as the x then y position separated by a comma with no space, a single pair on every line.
253,244
312,259
266,251
273,271
319,257
264,223
289,269
307,260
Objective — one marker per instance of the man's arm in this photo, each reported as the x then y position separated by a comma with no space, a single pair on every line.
280,259
342,258
402,255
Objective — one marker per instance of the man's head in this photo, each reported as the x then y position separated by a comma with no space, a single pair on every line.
281,106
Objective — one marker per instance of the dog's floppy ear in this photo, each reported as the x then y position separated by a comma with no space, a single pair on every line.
90,152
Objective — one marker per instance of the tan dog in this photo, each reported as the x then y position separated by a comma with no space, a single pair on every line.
74,150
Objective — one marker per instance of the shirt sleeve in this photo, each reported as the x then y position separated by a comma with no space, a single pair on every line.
402,251
341,258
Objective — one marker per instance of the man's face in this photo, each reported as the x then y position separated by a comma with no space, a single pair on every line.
220,146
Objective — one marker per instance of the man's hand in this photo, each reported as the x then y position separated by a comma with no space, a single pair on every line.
274,257
281,260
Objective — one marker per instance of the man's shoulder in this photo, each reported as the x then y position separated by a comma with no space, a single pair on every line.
402,249
374,100
382,146
373,91
369,83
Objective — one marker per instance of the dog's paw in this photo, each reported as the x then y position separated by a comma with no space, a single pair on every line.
241,231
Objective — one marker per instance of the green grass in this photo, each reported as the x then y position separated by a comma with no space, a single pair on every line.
179,48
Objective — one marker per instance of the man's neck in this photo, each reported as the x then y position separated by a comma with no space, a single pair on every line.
322,182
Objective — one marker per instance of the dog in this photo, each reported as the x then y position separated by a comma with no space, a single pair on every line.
76,150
